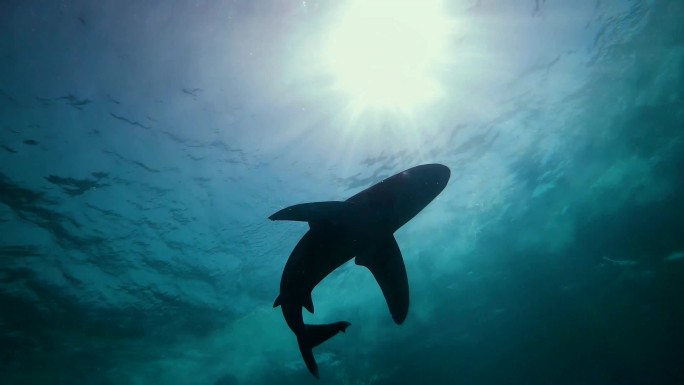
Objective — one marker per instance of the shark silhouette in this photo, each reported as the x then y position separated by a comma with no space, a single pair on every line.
363,226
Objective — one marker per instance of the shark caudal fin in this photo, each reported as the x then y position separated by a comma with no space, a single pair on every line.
315,335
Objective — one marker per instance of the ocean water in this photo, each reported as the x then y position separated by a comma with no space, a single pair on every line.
143,145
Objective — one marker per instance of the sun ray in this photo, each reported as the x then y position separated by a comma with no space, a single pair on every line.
383,54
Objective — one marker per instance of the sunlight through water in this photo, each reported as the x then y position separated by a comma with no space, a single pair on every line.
146,145
384,54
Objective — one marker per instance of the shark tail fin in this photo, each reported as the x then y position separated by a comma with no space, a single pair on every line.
315,335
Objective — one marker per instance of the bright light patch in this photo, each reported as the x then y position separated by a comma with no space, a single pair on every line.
383,53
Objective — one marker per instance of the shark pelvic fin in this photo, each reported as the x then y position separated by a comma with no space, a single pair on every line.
308,304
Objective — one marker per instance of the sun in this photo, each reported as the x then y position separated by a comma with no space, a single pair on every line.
384,54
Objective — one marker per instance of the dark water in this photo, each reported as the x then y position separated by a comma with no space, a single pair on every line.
144,144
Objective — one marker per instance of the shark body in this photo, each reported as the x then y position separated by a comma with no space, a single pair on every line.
361,227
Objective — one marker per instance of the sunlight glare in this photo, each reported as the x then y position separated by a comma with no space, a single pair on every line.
383,53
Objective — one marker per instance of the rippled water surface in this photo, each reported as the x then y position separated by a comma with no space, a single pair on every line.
143,145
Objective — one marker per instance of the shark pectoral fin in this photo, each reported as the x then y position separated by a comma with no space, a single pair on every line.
308,304
387,266
276,303
333,211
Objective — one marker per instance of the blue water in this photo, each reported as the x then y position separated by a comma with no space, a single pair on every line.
143,144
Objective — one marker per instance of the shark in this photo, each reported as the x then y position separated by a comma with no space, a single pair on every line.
362,227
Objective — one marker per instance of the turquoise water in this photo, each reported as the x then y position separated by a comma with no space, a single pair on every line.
143,145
